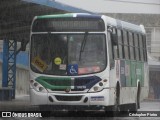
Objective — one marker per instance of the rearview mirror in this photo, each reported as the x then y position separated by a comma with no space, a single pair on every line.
114,39
23,45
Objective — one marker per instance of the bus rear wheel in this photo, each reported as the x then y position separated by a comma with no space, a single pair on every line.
135,106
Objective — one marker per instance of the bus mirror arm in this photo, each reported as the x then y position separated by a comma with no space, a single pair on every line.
24,44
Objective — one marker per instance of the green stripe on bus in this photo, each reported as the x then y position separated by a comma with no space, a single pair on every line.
55,16
50,83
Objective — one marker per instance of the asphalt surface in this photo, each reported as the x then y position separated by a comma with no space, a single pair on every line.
22,104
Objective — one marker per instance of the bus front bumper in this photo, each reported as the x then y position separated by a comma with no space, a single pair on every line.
84,99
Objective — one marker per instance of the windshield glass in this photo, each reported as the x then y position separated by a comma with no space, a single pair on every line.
68,54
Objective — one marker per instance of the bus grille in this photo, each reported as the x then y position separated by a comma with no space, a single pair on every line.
68,98
65,90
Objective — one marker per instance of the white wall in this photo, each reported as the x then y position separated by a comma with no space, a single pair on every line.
22,81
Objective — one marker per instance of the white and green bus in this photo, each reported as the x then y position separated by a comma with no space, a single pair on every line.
86,61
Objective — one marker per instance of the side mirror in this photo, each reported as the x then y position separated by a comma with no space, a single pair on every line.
114,39
23,45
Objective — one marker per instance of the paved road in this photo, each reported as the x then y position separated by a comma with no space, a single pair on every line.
21,103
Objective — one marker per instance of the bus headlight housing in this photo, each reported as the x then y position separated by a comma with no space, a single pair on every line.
99,86
95,88
38,87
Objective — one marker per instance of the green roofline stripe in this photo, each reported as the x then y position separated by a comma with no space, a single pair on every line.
55,16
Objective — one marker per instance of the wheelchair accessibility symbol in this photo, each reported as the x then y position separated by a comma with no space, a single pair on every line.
73,69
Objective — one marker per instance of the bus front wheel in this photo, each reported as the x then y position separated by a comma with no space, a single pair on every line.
116,108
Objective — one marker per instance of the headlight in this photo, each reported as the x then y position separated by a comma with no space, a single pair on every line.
38,87
99,86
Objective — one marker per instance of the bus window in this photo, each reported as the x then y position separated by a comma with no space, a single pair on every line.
136,46
131,46
120,42
110,48
125,45
115,47
144,46
141,47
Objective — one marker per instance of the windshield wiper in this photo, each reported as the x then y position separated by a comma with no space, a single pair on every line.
83,44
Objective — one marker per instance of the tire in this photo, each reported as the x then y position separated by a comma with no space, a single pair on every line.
116,108
136,105
138,96
108,111
133,108
113,111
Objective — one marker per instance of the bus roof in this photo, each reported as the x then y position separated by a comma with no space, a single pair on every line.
125,25
110,21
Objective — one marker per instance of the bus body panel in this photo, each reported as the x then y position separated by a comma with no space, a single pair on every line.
38,98
133,74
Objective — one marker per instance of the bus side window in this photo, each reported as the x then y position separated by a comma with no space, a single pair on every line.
136,46
110,51
141,47
131,46
125,39
144,46
115,47
120,43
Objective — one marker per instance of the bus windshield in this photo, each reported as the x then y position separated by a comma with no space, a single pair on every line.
68,54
